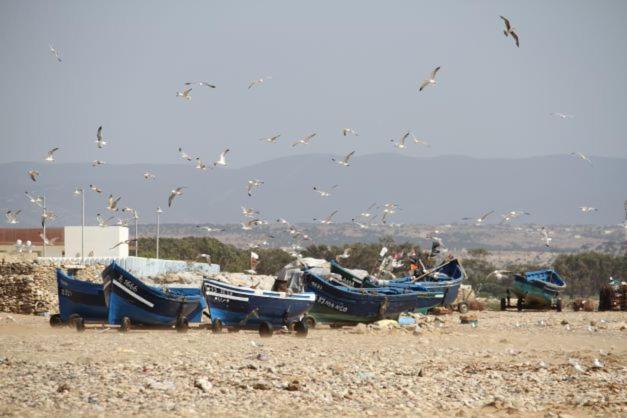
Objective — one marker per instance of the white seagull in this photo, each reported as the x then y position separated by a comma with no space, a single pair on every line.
33,174
201,83
252,184
48,241
323,193
581,156
112,203
327,220
401,141
222,160
359,224
420,141
344,161
50,156
562,115
176,192
200,165
367,213
587,209
101,221
429,81
513,214
55,53
95,189
481,218
184,155
36,200
305,140
96,163
11,216
258,82
185,94
545,237
509,30
349,131
209,229
272,139
249,212
149,176
100,142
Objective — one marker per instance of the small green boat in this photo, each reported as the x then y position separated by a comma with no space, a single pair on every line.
538,289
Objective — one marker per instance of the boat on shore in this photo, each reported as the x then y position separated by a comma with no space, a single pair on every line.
445,278
239,307
538,289
79,300
130,301
339,304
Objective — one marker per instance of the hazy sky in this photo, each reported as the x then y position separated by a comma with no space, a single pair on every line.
333,64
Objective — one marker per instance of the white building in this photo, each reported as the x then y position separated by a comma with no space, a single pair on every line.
99,241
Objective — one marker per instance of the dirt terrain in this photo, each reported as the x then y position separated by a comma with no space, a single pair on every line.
531,363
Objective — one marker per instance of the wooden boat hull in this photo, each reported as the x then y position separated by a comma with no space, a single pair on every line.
349,305
128,296
78,297
243,307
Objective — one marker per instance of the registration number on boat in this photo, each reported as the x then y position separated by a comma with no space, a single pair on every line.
130,285
331,304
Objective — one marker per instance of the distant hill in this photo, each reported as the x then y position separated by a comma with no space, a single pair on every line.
429,190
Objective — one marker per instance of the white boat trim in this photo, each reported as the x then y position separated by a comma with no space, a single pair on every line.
225,296
135,295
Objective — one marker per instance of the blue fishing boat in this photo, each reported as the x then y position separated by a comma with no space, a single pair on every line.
245,308
130,301
79,301
445,278
537,289
339,304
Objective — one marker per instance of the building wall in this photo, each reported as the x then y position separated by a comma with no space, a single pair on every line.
100,240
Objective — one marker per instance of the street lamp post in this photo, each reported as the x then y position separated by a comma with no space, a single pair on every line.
159,212
43,224
80,192
136,218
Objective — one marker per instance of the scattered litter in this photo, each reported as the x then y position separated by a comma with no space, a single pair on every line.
597,364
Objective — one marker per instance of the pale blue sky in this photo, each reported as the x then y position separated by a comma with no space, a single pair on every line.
333,64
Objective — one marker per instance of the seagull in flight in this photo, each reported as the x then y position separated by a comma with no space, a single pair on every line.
209,229
258,82
349,131
46,240
176,192
201,83
55,53
272,139
327,220
513,214
11,216
500,274
149,176
345,254
47,216
545,237
100,142
126,241
509,30
420,141
249,212
323,193
200,165
184,155
112,203
252,184
33,174
36,200
344,161
401,141
222,159
367,213
562,115
359,224
581,156
587,209
205,256
185,94
96,163
94,189
305,140
481,218
101,221
429,81
50,156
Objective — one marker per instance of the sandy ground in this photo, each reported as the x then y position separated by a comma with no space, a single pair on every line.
516,364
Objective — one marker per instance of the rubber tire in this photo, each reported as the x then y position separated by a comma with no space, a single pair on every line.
216,326
56,321
503,304
310,321
266,329
558,305
125,326
519,304
72,318
182,325
335,326
79,324
301,329
462,307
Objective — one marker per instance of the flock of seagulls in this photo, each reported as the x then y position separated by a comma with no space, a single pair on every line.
363,221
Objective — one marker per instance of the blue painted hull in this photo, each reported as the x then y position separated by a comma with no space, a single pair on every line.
540,288
77,297
246,308
129,297
443,279
336,303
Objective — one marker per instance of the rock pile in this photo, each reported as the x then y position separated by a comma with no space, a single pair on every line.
22,291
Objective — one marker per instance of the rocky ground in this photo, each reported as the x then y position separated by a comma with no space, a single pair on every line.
517,364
